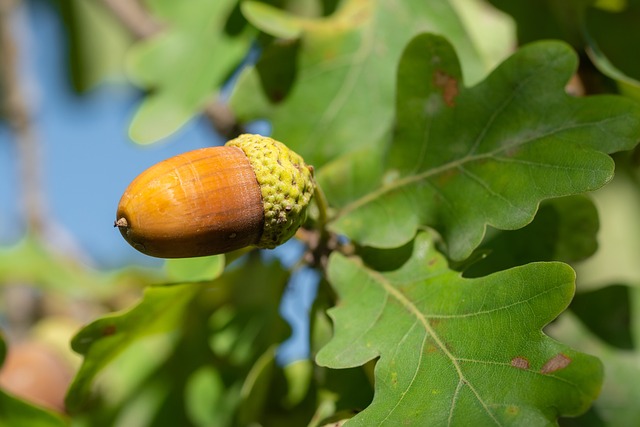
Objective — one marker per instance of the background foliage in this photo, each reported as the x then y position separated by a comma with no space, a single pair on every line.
479,263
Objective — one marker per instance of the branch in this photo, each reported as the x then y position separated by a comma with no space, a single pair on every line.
18,115
137,20
133,17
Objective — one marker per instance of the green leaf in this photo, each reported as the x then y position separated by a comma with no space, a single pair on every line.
593,25
183,65
97,43
614,52
208,401
3,348
455,351
340,89
257,388
154,323
17,413
145,359
31,260
271,20
546,19
464,158
195,269
564,229
351,175
607,313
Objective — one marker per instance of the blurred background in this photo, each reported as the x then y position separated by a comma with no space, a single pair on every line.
81,158
65,160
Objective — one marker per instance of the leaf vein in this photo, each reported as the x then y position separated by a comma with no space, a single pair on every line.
405,302
495,309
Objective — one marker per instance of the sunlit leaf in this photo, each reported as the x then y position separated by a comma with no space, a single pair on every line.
464,158
184,65
194,269
155,323
455,351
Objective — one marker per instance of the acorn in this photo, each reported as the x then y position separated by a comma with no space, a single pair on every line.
253,191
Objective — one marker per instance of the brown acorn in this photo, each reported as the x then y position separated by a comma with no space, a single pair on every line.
252,191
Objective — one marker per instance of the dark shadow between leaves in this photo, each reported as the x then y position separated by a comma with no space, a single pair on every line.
277,69
607,313
386,259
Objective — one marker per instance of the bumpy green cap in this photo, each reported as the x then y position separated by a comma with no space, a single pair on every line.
286,183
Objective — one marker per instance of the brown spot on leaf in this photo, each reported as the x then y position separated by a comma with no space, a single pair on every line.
557,362
520,362
109,330
512,410
430,348
449,86
445,177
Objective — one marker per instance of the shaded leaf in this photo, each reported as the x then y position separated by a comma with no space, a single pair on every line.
464,158
342,97
183,65
607,313
546,19
588,419
3,348
418,321
257,389
564,229
586,24
199,338
207,399
615,52
97,43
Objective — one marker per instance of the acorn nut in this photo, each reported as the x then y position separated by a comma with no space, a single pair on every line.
252,191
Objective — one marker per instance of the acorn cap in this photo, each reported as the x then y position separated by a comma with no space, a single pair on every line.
286,184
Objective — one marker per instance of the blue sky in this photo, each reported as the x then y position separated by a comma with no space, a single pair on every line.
87,158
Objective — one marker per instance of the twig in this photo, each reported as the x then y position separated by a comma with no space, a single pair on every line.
137,20
18,116
133,17
22,302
